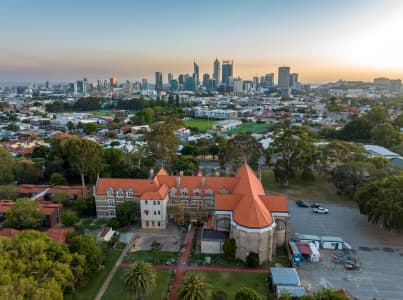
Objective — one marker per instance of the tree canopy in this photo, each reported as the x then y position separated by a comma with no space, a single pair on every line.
126,212
140,279
194,287
24,214
247,294
6,167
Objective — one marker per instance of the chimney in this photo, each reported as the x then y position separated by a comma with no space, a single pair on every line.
181,173
203,182
151,173
178,181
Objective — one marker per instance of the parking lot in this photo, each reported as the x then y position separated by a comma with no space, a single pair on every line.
380,253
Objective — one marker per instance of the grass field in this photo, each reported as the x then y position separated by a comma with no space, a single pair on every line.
97,280
319,190
101,113
202,124
153,257
231,282
116,289
253,127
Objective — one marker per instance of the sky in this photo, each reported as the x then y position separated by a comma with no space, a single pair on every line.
321,40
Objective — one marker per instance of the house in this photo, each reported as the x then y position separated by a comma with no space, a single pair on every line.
237,205
105,234
227,125
59,235
52,211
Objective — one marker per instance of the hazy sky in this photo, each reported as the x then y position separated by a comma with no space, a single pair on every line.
321,40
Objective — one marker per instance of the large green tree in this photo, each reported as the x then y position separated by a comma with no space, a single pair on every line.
25,213
358,129
140,280
382,201
7,167
293,152
194,287
377,115
247,294
386,135
127,212
83,155
186,163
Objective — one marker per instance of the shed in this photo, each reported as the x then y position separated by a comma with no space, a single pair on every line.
284,276
295,250
332,242
292,290
315,256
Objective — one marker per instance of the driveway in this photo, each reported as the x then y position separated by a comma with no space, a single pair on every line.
380,253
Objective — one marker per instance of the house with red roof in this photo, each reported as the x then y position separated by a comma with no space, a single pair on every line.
237,205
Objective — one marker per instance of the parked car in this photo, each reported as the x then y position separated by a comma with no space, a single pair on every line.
315,205
301,203
320,210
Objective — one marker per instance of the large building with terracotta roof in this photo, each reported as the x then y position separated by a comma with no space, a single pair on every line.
238,205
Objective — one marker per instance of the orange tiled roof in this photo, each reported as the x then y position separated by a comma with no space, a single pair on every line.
9,232
140,186
158,195
275,203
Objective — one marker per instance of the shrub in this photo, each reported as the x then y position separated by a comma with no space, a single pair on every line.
252,260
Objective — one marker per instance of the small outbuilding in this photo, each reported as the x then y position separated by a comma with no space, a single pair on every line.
212,241
331,242
286,280
309,238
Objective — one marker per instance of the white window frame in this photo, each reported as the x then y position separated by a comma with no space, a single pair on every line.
111,203
109,192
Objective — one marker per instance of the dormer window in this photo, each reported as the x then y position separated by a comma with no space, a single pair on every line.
184,192
172,192
109,192
223,191
129,193
209,192
119,193
196,192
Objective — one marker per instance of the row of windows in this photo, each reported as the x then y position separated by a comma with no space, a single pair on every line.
155,202
153,224
196,192
156,212
120,193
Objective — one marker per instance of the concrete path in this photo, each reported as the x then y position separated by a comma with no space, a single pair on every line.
113,271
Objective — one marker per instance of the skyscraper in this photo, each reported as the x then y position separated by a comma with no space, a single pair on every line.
196,73
206,80
80,86
216,71
284,77
144,84
85,86
227,72
293,80
170,77
113,82
268,80
158,81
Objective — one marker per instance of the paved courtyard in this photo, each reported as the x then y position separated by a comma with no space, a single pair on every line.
380,253
171,239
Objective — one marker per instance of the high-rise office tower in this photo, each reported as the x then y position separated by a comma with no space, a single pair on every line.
47,85
144,84
227,72
255,82
113,82
181,79
72,88
158,81
206,80
293,80
395,85
80,86
238,85
85,86
284,77
170,77
216,71
196,72
268,80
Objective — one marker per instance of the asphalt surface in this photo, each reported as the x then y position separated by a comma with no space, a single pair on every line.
380,253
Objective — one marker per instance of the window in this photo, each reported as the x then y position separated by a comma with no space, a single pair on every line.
146,212
209,192
159,224
159,212
111,203
196,192
146,202
223,191
159,202
184,192
155,213
112,213
109,192
172,192
154,202
119,193
153,223
147,224
129,193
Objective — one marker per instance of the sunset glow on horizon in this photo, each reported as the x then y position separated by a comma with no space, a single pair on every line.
350,40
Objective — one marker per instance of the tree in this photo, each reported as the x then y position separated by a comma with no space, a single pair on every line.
194,287
83,155
326,294
90,128
145,116
87,246
25,213
69,218
35,267
163,142
382,202
7,167
8,192
294,152
126,212
377,115
386,135
229,249
116,163
252,260
186,163
247,294
61,197
26,172
85,207
57,179
140,280
249,149
358,129
337,152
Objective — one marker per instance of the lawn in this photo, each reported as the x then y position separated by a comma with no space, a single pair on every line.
202,124
97,280
101,113
319,190
231,282
92,223
153,257
116,289
253,127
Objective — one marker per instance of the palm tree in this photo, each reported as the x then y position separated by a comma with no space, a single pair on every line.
194,287
140,279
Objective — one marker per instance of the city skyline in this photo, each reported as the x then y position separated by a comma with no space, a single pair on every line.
351,40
